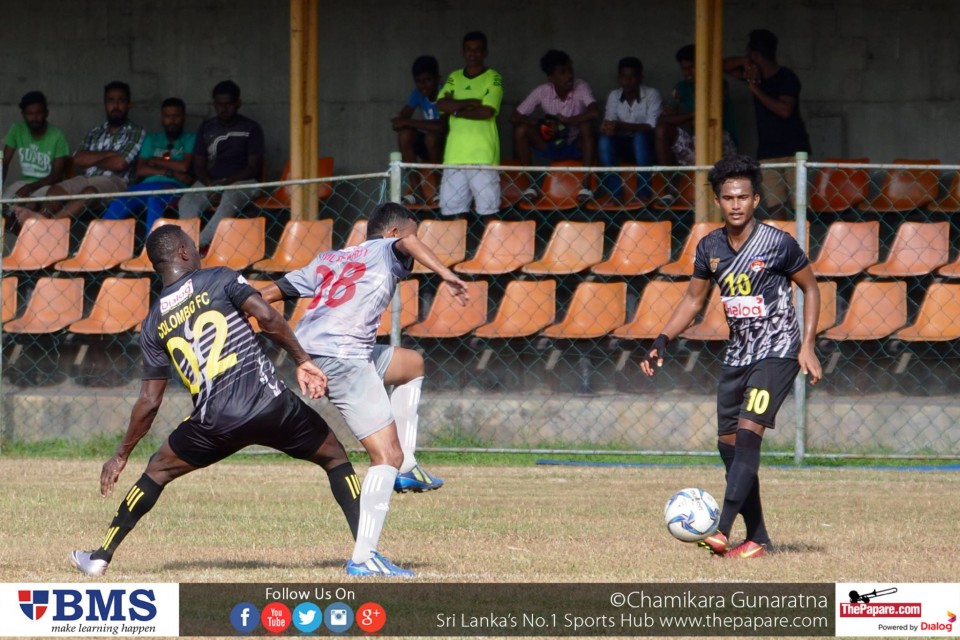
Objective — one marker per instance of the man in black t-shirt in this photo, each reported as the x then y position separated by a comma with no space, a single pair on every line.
754,265
228,151
776,100
199,325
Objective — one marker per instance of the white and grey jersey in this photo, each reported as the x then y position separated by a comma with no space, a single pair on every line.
350,289
756,291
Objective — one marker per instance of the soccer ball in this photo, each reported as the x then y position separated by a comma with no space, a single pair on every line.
691,515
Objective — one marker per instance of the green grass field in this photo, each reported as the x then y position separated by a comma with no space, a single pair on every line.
258,519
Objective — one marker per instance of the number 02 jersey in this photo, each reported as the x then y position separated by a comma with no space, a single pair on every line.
350,289
197,325
756,291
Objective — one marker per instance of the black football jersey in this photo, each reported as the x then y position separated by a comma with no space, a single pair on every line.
197,325
756,291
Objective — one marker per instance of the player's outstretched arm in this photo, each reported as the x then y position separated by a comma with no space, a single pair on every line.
312,381
412,246
682,316
807,359
141,419
272,293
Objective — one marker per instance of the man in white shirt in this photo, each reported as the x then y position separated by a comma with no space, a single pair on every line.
626,133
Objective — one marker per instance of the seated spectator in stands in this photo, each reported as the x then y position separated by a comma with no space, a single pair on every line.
566,133
40,147
228,151
626,133
421,138
164,163
674,134
105,158
781,131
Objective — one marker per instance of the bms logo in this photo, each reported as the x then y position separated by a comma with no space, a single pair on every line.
90,605
33,603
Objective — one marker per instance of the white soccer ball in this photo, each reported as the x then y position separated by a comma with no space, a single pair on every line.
691,515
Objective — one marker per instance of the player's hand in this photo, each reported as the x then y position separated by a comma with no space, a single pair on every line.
654,355
608,127
110,474
810,365
312,381
460,290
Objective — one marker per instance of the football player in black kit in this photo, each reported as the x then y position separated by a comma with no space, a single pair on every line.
199,324
754,265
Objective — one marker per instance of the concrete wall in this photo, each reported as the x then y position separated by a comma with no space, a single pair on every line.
879,77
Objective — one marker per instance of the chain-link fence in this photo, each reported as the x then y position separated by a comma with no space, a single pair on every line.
571,280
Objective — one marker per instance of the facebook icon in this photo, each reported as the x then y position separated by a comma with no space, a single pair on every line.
244,617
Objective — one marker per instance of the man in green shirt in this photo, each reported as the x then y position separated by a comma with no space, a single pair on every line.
40,147
471,96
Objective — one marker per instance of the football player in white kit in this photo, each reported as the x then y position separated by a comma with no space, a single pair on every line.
350,289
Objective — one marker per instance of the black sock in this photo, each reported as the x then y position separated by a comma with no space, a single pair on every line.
752,511
742,477
136,504
345,486
727,453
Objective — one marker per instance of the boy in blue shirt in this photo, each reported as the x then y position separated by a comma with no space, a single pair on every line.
421,138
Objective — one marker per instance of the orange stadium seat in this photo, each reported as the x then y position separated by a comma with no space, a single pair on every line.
504,247
429,198
626,200
237,243
260,285
9,293
447,319
939,317
596,309
683,193
837,189
141,263
848,249
788,226
641,247
54,304
41,243
409,308
713,326
527,307
446,238
657,301
106,244
512,184
828,306
950,203
918,249
876,310
298,312
280,198
683,266
358,234
573,247
299,243
121,305
560,190
906,189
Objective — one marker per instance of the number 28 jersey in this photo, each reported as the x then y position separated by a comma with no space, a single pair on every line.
198,325
350,289
756,291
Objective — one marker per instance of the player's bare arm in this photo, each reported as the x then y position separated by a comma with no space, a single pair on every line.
683,315
312,381
807,358
141,419
412,246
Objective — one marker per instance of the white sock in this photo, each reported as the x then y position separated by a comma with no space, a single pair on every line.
375,496
405,402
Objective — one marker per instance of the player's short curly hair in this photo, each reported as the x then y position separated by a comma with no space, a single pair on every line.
387,215
162,243
731,167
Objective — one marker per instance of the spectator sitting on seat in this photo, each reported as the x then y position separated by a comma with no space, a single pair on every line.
674,134
228,151
164,163
570,108
105,157
421,138
40,147
626,133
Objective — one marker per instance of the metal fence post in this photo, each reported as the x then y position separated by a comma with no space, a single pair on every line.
800,383
396,184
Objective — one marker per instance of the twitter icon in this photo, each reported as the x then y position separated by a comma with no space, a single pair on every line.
307,617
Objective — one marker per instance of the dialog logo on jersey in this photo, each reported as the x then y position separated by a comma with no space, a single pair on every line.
33,602
744,306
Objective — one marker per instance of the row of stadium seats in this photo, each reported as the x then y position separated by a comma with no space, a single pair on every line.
876,310
641,247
